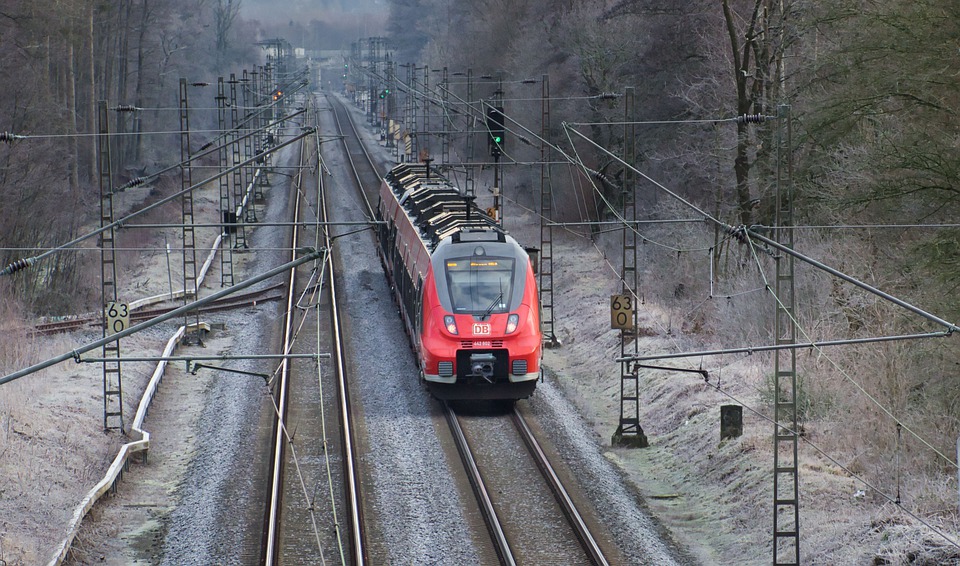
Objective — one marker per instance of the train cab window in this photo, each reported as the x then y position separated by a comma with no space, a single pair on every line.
480,285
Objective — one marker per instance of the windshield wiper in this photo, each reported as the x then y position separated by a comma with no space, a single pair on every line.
494,304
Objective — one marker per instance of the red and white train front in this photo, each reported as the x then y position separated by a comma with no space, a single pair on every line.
480,327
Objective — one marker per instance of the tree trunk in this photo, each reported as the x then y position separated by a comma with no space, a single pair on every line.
138,94
92,100
123,65
71,105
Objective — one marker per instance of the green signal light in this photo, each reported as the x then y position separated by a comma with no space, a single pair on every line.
497,139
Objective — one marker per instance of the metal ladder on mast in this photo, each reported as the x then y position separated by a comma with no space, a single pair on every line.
190,286
226,213
786,480
112,375
545,273
629,432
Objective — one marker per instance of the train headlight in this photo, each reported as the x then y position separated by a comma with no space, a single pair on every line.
450,324
512,321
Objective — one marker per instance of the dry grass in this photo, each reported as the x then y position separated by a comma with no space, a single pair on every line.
52,447
852,397
52,444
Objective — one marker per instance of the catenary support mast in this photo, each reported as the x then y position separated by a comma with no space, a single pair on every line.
112,377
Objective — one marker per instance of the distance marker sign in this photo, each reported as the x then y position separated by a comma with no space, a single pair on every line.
118,317
621,312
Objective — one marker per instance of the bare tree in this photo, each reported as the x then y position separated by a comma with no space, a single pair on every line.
756,50
225,12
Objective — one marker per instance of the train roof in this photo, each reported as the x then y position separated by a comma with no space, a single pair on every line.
435,206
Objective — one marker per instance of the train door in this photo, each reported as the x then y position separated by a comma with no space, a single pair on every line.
387,233
418,316
391,248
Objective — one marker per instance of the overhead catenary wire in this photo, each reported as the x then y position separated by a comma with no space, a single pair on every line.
205,150
10,137
623,221
736,232
23,263
739,233
804,439
818,346
309,255
743,235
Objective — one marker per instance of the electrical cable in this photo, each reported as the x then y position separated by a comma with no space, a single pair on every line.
744,235
23,263
822,353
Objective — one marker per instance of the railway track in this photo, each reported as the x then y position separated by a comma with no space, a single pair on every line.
565,537
304,454
239,300
364,170
501,478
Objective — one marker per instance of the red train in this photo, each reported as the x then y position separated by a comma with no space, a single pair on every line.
466,289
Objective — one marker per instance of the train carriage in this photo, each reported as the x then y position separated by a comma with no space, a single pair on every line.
466,289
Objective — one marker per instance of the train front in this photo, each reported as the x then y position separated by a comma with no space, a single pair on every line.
480,335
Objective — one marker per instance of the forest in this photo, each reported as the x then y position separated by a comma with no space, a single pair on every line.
58,59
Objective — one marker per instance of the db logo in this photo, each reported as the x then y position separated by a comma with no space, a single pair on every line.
480,329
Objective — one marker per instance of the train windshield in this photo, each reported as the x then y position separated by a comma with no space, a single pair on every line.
480,285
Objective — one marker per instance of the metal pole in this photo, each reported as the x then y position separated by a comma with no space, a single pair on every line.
75,354
169,275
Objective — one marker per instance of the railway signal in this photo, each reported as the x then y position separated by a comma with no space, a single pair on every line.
496,129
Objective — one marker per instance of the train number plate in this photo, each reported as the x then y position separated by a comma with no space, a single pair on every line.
482,344
481,329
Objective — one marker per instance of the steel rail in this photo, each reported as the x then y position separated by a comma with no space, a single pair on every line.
563,498
353,166
271,553
351,476
500,541
240,300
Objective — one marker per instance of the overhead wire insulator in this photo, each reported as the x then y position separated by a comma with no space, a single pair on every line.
136,182
18,265
9,138
751,119
738,233
127,108
199,84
